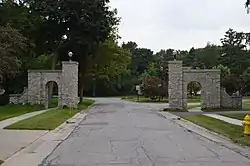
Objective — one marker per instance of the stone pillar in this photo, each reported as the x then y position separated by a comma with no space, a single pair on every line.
69,84
175,85
34,87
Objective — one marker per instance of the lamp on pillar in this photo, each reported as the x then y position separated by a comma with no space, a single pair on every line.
70,55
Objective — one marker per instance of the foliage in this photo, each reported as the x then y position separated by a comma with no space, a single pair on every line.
193,88
247,5
12,44
152,71
151,87
246,79
224,70
109,60
207,57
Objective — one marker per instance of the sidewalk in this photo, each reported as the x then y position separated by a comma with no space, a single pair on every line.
38,150
220,117
12,141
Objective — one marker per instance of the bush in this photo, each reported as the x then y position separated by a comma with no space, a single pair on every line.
154,88
4,99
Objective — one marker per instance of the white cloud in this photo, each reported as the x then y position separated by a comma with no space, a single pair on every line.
179,24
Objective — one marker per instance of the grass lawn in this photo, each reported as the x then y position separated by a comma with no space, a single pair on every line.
174,110
193,106
246,97
245,107
53,103
148,100
178,110
49,120
235,116
11,111
233,132
143,99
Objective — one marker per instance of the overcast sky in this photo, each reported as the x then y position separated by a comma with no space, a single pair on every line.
179,24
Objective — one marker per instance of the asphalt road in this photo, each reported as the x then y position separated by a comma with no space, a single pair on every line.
121,133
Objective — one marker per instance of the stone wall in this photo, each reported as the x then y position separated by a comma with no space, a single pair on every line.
19,98
233,102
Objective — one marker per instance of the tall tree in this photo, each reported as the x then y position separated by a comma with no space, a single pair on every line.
207,57
12,46
109,61
86,23
234,54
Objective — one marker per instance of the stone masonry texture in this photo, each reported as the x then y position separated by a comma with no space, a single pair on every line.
180,77
37,92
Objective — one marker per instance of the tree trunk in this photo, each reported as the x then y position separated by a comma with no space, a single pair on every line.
94,88
51,85
81,88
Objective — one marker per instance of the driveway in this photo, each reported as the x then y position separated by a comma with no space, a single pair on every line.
122,133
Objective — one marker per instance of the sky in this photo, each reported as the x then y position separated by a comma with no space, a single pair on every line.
179,24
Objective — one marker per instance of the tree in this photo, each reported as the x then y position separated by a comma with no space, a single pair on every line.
12,45
86,23
151,87
246,78
207,58
108,61
193,88
234,54
247,5
189,59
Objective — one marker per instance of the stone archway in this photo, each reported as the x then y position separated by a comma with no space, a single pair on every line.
180,77
194,91
36,93
47,97
210,83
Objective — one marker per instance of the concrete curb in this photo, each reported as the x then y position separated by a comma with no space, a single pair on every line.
212,136
40,149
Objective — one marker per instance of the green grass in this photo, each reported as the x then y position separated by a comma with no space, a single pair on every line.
246,97
235,116
49,120
11,111
85,104
233,132
1,162
246,106
53,103
148,100
193,106
195,99
174,110
144,99
181,110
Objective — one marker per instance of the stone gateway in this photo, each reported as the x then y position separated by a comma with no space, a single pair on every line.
212,96
38,81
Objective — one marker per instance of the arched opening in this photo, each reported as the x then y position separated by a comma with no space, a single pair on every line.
194,92
52,95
